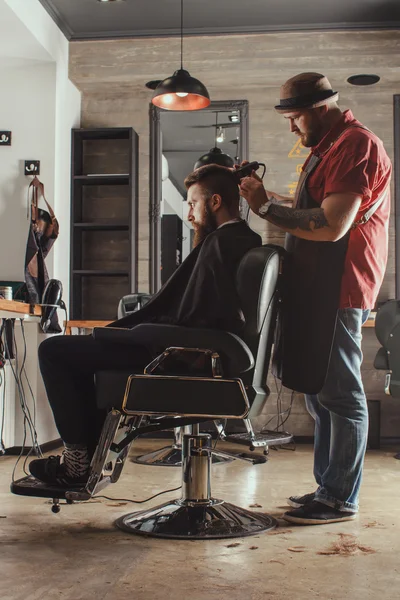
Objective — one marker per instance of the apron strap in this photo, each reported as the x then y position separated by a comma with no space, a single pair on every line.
38,187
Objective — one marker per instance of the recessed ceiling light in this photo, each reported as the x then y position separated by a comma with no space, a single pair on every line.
363,79
111,0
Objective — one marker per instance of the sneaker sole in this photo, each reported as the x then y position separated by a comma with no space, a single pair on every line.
301,521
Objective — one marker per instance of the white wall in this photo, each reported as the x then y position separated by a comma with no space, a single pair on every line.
27,108
40,105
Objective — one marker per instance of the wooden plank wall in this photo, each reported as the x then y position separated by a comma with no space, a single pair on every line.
112,76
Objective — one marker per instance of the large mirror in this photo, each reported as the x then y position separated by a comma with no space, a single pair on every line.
178,140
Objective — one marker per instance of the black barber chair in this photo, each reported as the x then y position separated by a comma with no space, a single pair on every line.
257,287
387,330
237,378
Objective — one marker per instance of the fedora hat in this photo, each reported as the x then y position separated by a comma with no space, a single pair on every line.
306,90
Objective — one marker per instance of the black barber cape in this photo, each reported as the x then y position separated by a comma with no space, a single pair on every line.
202,291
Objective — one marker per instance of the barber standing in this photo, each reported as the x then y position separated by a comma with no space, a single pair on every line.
337,244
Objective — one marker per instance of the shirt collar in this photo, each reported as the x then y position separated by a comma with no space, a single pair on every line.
332,135
229,222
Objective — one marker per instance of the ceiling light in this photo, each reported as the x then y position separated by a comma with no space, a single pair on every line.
363,79
111,0
181,91
234,118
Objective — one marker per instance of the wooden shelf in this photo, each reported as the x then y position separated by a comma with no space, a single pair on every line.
100,273
104,220
102,179
110,226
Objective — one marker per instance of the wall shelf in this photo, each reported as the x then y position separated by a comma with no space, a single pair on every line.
104,220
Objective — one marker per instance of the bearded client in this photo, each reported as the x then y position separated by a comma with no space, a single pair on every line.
201,293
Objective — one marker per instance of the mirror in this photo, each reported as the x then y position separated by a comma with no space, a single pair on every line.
177,141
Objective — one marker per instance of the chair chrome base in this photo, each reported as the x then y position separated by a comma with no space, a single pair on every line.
185,519
171,456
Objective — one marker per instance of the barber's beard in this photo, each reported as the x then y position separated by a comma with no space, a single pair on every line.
312,137
203,229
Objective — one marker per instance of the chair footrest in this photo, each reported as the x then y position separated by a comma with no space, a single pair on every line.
260,440
29,486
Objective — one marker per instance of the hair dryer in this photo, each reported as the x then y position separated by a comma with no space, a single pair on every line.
51,300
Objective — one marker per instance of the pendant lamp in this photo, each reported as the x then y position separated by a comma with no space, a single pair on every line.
215,156
181,91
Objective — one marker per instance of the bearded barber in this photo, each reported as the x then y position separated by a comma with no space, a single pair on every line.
337,244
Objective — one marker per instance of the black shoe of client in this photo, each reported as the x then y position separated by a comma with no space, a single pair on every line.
316,513
52,471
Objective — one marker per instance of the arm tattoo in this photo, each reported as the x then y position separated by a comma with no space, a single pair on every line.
296,218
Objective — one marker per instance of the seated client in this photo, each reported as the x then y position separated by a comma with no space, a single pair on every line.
201,293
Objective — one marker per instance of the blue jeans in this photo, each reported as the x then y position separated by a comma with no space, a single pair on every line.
341,417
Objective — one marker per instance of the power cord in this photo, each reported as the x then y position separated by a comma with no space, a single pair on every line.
29,422
138,501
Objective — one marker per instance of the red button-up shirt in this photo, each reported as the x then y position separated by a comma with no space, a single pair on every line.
357,164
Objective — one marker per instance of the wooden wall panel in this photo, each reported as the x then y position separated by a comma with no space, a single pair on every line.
112,77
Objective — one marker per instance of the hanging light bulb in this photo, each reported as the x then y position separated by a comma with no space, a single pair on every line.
220,135
181,91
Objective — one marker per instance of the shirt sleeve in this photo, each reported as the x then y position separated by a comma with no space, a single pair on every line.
352,167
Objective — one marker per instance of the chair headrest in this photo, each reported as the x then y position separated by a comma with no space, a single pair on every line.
256,284
387,318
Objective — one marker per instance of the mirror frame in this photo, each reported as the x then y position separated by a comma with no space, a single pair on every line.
156,176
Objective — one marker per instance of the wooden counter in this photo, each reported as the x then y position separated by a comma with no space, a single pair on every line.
91,324
12,306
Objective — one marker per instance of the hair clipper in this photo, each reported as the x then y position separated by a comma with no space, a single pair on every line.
245,171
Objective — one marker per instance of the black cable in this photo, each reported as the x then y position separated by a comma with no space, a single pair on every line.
181,34
24,407
138,501
220,433
31,421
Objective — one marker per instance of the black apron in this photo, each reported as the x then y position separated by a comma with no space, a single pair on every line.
311,284
43,232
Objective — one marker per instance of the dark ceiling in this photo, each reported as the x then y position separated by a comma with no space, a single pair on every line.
91,19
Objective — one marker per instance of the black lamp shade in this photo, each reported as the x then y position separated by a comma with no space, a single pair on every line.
215,157
181,92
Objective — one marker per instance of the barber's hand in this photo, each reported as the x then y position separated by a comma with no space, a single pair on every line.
252,189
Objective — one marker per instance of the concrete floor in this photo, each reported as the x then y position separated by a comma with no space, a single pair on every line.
79,554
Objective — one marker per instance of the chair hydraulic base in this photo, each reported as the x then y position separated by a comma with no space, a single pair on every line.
196,515
171,456
184,519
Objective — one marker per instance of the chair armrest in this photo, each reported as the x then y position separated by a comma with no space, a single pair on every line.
152,335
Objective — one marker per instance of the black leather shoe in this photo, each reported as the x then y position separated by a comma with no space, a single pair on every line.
52,471
299,501
316,513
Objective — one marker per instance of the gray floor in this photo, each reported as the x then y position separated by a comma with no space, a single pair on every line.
79,555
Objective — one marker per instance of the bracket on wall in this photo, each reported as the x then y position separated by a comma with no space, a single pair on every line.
5,138
32,167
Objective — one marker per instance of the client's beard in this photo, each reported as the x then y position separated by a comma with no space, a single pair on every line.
201,230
